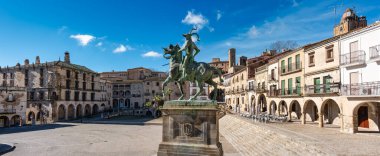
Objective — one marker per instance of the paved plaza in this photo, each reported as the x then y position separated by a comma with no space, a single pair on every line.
239,136
97,138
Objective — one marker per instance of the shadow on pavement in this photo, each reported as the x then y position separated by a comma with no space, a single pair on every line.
33,128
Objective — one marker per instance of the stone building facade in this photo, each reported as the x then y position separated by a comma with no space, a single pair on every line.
330,82
58,90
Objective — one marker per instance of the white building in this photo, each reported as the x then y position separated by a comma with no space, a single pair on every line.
360,77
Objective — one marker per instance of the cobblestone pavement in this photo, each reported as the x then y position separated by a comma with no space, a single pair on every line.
253,138
74,139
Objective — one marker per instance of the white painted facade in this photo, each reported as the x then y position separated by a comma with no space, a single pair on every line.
369,71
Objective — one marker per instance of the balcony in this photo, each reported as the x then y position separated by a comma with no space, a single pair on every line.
294,67
321,89
361,89
146,94
261,89
374,53
273,92
297,91
7,111
353,59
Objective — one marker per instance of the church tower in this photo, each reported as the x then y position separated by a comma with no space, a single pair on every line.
349,21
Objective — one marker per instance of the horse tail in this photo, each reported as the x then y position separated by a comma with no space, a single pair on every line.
219,73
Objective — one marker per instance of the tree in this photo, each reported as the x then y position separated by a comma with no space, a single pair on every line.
283,45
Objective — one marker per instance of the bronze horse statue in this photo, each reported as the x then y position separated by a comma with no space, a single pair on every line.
196,72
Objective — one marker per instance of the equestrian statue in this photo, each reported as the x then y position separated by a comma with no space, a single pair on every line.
185,68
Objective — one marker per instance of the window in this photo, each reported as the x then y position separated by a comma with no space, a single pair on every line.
311,60
76,96
283,66
84,76
68,73
67,95
289,64
84,96
147,83
298,85
76,75
290,86
92,96
326,84
67,84
84,85
157,83
298,61
330,53
317,87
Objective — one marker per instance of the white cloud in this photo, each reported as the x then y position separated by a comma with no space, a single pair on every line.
83,39
122,48
253,32
218,15
99,44
228,43
151,54
194,19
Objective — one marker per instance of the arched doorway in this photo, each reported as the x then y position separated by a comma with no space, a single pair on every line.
253,105
103,106
295,110
272,108
115,104
95,109
261,103
79,111
32,117
71,112
330,111
121,103
15,120
87,110
4,121
310,111
282,109
366,117
128,103
61,112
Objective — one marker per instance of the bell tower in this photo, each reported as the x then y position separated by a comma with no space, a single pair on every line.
349,22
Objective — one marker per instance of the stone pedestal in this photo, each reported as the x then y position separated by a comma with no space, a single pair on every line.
190,128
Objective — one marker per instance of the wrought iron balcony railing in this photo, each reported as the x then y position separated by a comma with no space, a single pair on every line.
361,89
294,67
322,88
296,91
7,111
353,58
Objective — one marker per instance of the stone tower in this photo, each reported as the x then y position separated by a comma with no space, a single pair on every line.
231,57
67,57
38,60
349,21
243,61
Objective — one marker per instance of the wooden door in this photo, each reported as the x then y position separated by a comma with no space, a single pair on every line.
363,117
354,86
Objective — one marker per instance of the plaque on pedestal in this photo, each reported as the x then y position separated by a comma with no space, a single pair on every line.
190,128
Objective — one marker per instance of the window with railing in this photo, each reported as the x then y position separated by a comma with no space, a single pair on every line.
362,89
295,67
323,88
374,52
294,91
353,57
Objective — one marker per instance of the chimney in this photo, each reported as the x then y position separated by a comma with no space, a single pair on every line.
67,57
243,61
38,60
232,57
26,62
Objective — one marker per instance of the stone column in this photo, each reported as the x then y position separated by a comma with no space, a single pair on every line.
66,113
303,118
290,115
341,122
75,112
320,123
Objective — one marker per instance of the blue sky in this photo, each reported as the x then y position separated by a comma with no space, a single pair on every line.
116,35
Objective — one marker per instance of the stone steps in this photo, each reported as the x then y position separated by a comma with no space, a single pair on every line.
250,139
